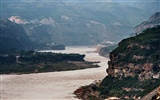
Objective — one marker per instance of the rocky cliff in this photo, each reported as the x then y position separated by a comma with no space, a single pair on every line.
134,66
134,69
152,21
137,55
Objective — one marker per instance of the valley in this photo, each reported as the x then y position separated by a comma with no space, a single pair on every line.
78,49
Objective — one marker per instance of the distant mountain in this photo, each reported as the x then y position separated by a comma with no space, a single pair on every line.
13,37
76,22
148,5
152,21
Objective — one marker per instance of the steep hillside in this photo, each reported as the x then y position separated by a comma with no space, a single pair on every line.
142,53
134,70
134,65
13,37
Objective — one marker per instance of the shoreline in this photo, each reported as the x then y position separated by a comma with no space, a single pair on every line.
79,65
53,85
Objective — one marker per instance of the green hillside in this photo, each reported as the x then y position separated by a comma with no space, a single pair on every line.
134,66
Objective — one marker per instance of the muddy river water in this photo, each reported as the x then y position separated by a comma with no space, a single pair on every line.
53,85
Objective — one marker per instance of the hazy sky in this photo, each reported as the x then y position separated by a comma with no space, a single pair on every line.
81,0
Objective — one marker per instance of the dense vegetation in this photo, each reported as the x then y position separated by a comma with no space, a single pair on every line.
145,44
128,86
34,62
37,57
134,80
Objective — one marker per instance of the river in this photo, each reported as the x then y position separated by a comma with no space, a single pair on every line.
53,85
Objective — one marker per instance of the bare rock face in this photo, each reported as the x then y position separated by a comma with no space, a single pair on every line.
145,71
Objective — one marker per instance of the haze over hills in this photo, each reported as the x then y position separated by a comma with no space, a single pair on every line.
78,22
134,68
154,20
151,22
13,37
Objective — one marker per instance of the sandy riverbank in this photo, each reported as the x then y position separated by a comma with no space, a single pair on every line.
53,85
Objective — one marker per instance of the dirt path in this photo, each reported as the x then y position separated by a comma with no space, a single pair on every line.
53,85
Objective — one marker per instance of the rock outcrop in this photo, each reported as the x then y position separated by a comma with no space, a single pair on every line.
134,67
137,55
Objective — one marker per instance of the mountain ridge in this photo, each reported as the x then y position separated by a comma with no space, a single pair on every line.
151,22
114,20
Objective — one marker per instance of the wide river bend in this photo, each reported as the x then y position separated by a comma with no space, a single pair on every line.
53,85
